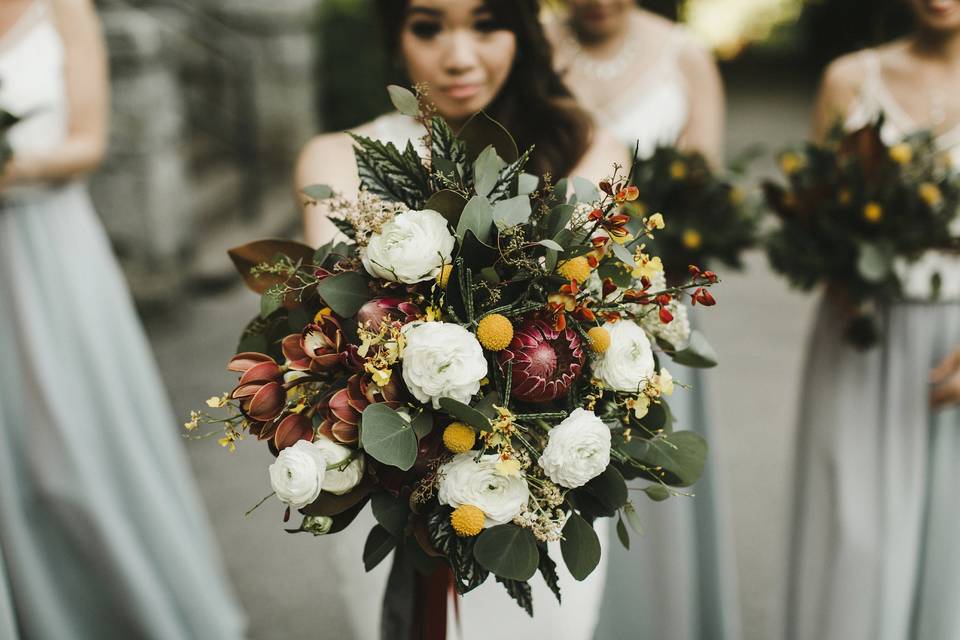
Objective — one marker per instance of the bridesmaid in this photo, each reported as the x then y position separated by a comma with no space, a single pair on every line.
490,56
102,533
876,518
646,79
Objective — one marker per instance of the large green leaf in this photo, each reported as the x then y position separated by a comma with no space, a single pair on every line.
580,547
481,131
331,504
465,413
447,203
508,551
558,218
344,292
486,170
378,546
477,216
585,190
698,353
404,100
391,512
388,437
681,456
610,490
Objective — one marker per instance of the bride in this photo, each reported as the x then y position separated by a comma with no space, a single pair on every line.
474,56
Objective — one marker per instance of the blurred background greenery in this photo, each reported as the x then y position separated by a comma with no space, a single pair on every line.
744,34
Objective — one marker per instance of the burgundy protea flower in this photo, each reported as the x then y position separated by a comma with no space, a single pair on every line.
545,360
374,313
343,409
321,346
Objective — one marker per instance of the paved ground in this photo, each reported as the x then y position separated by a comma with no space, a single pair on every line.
759,330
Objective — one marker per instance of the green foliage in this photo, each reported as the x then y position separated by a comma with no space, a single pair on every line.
390,512
344,292
467,572
378,546
394,175
519,591
508,551
580,547
677,458
388,437
548,570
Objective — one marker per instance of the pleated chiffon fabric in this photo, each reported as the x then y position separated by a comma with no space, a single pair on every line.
876,516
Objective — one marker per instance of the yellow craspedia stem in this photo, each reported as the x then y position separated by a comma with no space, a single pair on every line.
930,193
872,212
599,339
444,276
458,437
495,332
467,520
901,153
692,239
575,269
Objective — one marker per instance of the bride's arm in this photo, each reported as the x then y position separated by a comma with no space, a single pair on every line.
604,151
705,125
327,159
87,94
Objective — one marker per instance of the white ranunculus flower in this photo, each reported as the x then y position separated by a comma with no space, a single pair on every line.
297,474
500,497
442,360
410,248
578,449
337,481
627,363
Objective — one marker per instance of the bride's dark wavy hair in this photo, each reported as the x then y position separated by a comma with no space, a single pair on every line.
534,104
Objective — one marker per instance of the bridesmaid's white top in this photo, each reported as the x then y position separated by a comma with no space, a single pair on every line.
875,98
31,80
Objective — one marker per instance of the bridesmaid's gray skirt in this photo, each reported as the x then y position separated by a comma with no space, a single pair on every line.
876,519
678,580
102,533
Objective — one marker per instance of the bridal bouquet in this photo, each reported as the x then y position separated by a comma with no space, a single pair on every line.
480,359
7,122
855,212
710,219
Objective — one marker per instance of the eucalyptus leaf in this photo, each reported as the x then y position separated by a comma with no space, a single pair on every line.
481,131
657,492
622,534
698,353
269,302
477,216
422,424
550,244
633,518
404,100
378,546
486,171
465,413
558,218
623,254
585,190
447,203
508,551
511,212
388,437
610,490
681,456
527,183
580,547
344,292
318,191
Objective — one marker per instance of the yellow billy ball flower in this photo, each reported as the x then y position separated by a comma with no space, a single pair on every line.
901,153
930,193
467,520
575,269
599,339
790,163
692,239
444,276
873,212
458,437
495,332
678,170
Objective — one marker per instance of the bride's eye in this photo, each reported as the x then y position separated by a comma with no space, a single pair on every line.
424,29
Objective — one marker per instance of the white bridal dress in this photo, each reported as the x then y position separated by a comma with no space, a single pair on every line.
487,612
102,533
678,580
876,517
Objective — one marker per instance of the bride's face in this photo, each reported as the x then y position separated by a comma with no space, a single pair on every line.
599,19
460,50
938,15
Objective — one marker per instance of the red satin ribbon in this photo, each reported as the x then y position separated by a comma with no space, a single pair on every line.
432,591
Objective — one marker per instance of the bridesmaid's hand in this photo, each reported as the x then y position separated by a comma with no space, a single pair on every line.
945,379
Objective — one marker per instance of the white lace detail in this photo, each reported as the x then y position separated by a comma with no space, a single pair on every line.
875,98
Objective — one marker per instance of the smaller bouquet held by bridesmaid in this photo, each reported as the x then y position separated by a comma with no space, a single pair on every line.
856,212
480,361
710,218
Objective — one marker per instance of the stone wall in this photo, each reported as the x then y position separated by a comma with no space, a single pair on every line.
211,101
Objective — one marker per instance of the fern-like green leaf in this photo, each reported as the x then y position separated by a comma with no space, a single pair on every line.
391,174
519,591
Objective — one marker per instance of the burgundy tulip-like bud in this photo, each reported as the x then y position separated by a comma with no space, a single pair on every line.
323,342
376,312
266,403
291,429
263,372
546,361
244,361
297,358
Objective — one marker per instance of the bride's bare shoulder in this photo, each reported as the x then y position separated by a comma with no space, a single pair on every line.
328,159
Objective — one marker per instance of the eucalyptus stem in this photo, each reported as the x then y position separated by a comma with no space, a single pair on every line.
265,498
